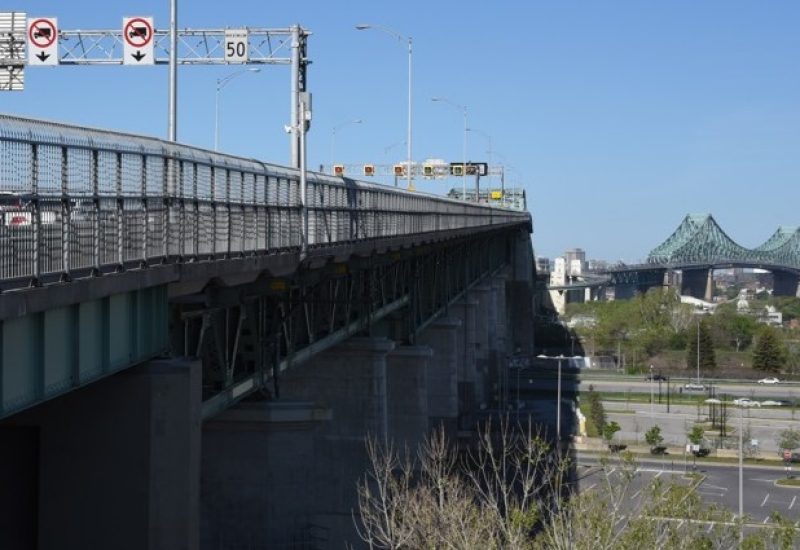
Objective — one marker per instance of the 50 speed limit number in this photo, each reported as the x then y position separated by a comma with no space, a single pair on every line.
236,46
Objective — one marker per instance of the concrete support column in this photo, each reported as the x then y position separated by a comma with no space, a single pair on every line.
324,464
519,294
261,481
709,293
484,298
442,374
465,312
118,461
407,395
500,345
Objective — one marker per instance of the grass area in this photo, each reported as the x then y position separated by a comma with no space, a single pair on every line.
788,482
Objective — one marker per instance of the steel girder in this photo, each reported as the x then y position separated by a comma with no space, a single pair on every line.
699,240
247,335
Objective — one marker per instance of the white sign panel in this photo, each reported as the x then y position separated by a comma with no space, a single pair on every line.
42,41
138,41
236,46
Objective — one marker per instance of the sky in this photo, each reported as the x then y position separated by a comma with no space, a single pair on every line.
618,118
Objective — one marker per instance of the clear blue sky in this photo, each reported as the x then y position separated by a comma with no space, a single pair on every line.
619,117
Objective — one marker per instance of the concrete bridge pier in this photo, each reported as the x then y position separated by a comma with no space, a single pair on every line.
442,373
407,395
113,465
785,284
698,283
240,506
484,298
465,310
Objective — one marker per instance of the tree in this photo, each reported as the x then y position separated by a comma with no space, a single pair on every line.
732,328
653,437
514,491
609,430
788,439
769,353
707,359
597,413
695,436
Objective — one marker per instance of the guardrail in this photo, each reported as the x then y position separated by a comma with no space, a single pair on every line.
77,201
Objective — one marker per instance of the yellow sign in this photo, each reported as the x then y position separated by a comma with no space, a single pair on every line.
497,195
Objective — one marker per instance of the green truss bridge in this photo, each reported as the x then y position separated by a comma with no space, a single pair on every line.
699,245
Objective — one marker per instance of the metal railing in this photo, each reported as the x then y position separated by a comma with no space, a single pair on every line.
77,201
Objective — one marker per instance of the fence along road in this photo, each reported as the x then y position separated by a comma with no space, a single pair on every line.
77,202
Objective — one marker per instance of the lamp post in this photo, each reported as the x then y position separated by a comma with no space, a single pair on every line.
409,42
698,350
221,83
741,477
651,392
558,396
463,110
333,136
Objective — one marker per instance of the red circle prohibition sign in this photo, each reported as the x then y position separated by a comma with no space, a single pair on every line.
142,31
44,30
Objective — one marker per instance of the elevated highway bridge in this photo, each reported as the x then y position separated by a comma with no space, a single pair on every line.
148,288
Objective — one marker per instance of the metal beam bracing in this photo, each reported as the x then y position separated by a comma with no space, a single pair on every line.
700,241
195,46
291,320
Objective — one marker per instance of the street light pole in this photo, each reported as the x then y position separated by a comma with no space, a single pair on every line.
221,83
558,405
651,392
463,110
698,350
333,137
741,477
409,41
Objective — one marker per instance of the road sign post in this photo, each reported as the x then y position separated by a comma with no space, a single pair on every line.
137,38
42,41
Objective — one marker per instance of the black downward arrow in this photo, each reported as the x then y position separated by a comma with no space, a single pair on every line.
43,56
138,56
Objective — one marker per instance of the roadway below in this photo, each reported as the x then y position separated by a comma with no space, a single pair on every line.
719,485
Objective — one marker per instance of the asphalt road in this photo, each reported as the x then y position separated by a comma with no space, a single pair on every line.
720,486
638,385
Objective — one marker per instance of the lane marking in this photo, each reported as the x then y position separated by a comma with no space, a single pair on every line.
658,474
590,487
766,520
792,504
636,494
762,479
717,487
765,500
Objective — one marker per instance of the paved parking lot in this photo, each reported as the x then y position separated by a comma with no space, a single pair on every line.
720,486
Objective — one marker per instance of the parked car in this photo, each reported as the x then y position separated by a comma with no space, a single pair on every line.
769,380
657,377
745,402
694,386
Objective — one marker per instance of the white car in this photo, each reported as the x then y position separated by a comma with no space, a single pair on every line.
745,402
770,380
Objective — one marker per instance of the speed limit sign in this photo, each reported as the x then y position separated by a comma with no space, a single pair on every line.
236,47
